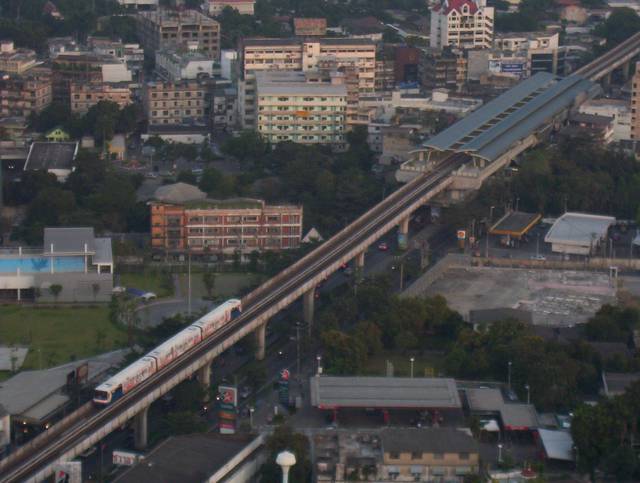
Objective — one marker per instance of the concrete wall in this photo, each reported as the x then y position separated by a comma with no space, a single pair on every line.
603,264
419,286
76,287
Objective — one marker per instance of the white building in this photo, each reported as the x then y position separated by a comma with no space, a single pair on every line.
215,7
175,65
618,109
114,70
578,233
291,108
461,23
139,3
439,100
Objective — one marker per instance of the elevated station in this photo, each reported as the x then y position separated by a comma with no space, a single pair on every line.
493,135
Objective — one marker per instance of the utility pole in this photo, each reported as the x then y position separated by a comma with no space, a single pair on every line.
189,284
298,351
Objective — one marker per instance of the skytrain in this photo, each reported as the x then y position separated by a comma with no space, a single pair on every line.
124,381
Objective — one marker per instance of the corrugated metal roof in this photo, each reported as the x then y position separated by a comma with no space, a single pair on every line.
501,122
579,229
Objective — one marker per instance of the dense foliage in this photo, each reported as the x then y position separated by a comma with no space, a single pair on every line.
95,195
284,438
605,436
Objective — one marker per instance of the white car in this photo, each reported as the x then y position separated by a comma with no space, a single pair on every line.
148,296
119,289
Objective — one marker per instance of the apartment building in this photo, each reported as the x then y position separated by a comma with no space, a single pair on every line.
443,68
297,54
176,103
139,4
428,454
15,61
224,227
26,94
85,68
243,7
169,28
461,23
298,107
84,97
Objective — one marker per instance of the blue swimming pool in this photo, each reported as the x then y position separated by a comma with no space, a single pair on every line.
41,264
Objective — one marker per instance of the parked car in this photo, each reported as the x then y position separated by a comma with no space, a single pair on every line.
383,246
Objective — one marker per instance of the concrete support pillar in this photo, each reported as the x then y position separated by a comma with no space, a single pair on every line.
308,300
606,81
261,341
626,71
403,234
140,429
204,378
360,261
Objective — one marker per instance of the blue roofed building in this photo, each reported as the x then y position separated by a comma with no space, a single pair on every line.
72,257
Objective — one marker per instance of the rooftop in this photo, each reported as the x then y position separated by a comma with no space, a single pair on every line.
558,445
295,83
172,17
186,459
616,383
69,240
43,155
428,440
515,416
178,193
384,392
579,229
231,203
35,394
493,128
515,223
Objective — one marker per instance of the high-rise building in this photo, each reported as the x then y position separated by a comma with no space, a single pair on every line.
461,23
292,106
176,103
297,54
26,94
224,226
169,28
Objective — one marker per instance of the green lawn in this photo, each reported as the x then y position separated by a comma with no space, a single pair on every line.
227,285
55,335
149,281
428,365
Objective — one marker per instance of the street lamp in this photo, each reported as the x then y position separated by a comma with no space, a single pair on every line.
528,393
251,410
412,361
509,375
319,359
499,453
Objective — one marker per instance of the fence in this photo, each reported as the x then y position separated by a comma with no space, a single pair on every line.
435,272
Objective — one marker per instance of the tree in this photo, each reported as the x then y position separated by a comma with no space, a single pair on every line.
619,26
188,396
186,176
55,290
344,354
248,146
209,280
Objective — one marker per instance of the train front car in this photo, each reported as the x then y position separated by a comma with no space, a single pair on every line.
125,380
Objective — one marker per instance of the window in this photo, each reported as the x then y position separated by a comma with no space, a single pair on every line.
438,456
416,455
394,456
464,456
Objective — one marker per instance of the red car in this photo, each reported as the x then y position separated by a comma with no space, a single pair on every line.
383,247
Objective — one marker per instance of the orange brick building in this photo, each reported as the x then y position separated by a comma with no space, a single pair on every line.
224,226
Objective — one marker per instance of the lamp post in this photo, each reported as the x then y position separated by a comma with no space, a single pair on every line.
499,453
509,375
528,393
251,410
412,361
319,359
486,251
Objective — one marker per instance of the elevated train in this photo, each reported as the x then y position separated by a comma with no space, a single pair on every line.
124,381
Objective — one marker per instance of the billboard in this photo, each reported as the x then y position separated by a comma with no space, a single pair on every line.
283,386
513,67
125,458
227,409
